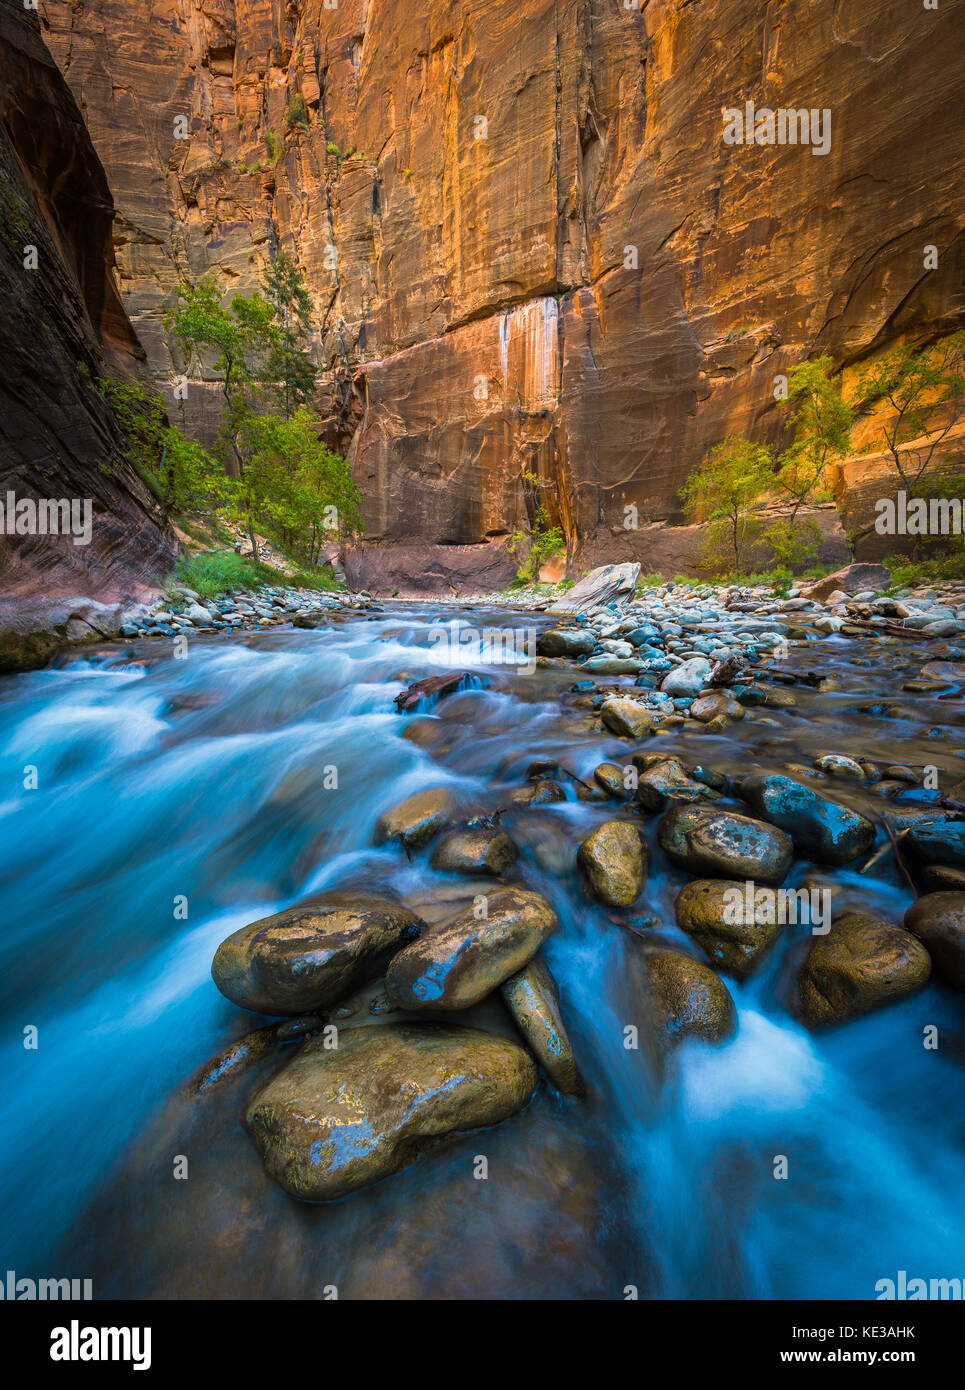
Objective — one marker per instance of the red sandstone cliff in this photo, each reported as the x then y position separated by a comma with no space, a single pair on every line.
527,242
58,440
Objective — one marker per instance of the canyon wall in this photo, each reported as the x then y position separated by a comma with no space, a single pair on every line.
60,320
529,248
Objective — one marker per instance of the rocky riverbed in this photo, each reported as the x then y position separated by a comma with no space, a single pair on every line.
672,885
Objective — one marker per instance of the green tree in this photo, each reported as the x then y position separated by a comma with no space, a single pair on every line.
925,390
181,473
542,541
289,373
723,494
822,425
235,337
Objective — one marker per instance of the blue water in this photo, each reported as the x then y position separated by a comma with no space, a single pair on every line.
164,780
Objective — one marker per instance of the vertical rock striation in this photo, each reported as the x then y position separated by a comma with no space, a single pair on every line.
529,247
58,439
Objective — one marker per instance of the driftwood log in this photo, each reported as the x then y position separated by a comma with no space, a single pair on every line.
409,698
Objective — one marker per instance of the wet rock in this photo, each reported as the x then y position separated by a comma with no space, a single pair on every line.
666,779
938,840
938,920
306,957
609,665
460,961
417,819
571,642
720,705
687,1000
860,965
481,849
837,765
533,1000
614,859
722,844
543,792
820,828
714,912
941,878
688,679
336,1120
233,1060
627,717
610,776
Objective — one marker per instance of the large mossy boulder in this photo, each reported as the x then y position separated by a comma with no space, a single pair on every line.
334,1120
534,1002
822,829
724,919
722,844
687,1000
614,859
461,960
861,964
310,956
938,920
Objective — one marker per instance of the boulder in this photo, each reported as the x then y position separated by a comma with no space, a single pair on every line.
608,584
460,961
571,642
334,1120
937,840
610,776
614,859
713,911
309,956
478,849
850,580
533,1000
861,964
719,705
627,717
666,779
722,844
687,679
417,819
687,1000
821,829
938,920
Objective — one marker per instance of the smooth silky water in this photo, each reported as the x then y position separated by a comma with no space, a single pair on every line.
204,779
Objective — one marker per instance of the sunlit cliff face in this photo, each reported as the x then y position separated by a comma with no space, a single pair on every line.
529,243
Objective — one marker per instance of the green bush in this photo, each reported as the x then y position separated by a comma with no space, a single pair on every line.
215,572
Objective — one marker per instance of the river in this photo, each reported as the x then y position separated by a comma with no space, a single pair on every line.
168,786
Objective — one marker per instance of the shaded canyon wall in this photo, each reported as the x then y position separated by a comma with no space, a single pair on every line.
60,319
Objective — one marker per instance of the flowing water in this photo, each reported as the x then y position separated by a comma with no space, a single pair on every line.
207,781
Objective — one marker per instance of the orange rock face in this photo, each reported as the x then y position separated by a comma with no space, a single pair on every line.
528,244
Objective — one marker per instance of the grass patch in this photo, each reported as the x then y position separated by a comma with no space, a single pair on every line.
216,572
